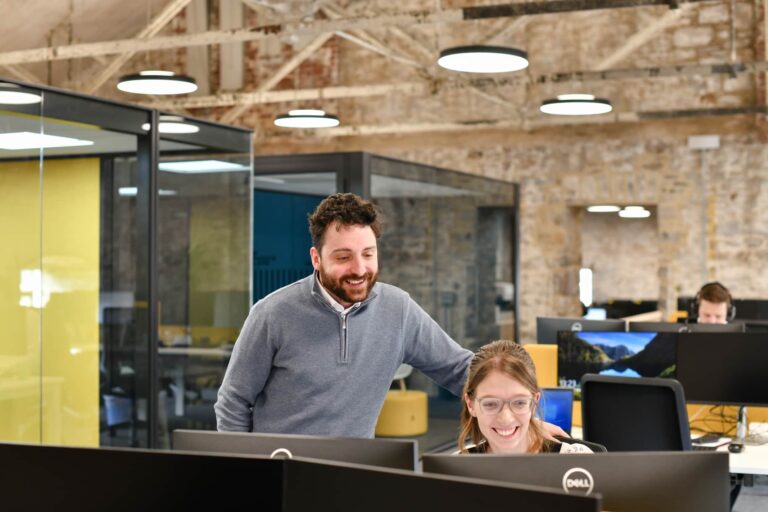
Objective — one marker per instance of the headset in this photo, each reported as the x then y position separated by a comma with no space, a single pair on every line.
730,313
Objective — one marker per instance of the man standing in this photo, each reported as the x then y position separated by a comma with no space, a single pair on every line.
318,356
713,304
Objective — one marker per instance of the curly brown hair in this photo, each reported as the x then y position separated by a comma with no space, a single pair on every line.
512,360
344,209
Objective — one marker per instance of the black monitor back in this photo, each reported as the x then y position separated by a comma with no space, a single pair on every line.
391,453
724,368
634,414
37,477
678,327
548,327
339,486
628,482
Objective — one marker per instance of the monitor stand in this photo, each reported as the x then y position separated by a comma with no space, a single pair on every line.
742,426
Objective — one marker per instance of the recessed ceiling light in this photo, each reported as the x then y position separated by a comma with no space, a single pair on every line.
157,82
483,59
306,118
173,124
30,140
12,94
200,166
603,208
134,191
576,105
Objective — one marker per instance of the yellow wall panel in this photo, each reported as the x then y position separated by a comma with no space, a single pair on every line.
50,397
20,335
70,362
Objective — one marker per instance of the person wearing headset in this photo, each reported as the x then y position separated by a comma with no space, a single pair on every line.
713,304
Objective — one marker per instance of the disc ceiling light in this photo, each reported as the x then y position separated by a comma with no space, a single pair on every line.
306,118
12,94
483,59
576,105
157,82
173,124
603,208
634,212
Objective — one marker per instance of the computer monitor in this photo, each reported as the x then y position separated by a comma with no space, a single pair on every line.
629,482
548,327
556,407
679,327
720,368
390,453
622,354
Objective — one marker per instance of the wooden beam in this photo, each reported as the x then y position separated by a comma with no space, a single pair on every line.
262,97
301,28
638,39
198,59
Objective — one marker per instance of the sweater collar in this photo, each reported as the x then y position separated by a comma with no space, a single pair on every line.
319,291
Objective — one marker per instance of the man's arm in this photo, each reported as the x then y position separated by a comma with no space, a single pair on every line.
246,374
430,350
433,352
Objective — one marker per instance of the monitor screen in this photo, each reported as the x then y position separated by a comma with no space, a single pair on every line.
720,368
622,354
391,453
547,328
679,327
628,482
556,407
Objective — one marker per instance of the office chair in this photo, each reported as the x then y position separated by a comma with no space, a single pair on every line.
634,414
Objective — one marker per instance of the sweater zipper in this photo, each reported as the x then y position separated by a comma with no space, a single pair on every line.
344,338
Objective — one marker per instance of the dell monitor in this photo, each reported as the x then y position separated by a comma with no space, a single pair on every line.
548,327
621,354
628,482
390,453
719,368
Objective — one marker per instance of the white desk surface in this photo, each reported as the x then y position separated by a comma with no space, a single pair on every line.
752,461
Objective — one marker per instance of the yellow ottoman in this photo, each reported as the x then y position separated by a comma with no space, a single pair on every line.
404,414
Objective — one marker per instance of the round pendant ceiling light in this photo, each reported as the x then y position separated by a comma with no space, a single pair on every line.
157,82
173,124
634,212
576,105
306,118
12,94
483,59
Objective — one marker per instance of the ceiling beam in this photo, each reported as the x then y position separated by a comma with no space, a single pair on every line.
560,6
484,84
638,39
262,97
152,28
278,75
300,28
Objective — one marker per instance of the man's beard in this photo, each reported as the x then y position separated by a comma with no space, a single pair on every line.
336,286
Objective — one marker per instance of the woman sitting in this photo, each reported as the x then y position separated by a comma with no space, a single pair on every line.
501,396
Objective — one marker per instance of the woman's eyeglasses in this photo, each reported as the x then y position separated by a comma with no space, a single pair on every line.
491,405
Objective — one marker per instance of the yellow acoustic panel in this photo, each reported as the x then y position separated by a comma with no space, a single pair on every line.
545,358
49,285
20,383
404,414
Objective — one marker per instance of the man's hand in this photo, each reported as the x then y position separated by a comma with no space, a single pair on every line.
551,430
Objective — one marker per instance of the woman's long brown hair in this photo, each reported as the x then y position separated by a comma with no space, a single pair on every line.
512,360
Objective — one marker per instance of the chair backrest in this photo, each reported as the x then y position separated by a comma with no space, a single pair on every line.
634,414
545,359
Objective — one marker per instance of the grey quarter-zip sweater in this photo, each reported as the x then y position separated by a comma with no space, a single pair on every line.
301,367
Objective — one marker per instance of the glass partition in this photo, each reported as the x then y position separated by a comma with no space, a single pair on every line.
204,268
449,240
63,370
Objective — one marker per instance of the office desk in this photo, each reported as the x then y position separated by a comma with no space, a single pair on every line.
752,461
